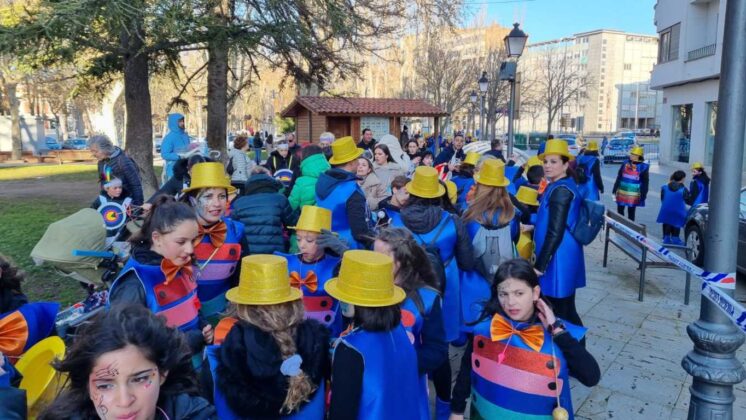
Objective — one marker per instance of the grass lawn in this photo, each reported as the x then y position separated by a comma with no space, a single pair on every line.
69,172
22,224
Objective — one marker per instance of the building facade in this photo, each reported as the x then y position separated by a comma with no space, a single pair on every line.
688,75
618,94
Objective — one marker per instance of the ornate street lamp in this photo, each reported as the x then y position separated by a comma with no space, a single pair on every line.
515,42
483,83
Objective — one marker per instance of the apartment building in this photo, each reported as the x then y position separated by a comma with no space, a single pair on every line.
688,75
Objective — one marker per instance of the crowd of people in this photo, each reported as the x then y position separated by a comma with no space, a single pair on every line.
340,288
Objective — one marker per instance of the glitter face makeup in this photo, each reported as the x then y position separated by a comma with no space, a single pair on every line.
211,205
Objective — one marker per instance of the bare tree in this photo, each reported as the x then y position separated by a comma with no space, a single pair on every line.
558,83
498,92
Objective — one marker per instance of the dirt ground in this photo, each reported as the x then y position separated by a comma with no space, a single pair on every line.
83,192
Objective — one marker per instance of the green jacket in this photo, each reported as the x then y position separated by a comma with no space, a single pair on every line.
304,190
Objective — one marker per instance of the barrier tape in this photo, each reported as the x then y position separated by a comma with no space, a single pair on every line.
712,283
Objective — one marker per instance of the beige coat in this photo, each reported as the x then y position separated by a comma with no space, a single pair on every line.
374,190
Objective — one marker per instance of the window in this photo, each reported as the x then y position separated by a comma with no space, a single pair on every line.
682,132
628,66
599,126
668,48
603,55
604,41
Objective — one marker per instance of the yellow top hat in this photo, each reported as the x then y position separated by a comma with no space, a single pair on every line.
344,150
209,175
492,174
697,165
313,219
533,161
39,377
471,158
527,196
637,151
365,279
425,183
557,147
452,191
592,146
525,246
264,281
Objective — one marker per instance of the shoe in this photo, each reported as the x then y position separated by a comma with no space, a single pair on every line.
667,240
442,409
677,241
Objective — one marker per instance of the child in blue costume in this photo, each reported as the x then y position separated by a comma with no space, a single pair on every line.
421,313
519,362
159,274
631,185
374,365
268,360
493,228
699,187
560,262
672,214
590,164
220,243
526,202
464,179
314,266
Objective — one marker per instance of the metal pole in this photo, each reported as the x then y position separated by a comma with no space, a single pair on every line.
481,119
511,111
712,362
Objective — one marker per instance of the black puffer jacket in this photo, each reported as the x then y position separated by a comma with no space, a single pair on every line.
264,211
124,168
249,375
423,219
176,183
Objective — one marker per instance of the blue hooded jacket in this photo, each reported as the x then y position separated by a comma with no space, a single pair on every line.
175,142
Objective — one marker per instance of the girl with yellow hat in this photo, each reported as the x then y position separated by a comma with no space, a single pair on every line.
464,179
314,265
560,262
421,313
159,273
374,365
269,361
220,243
699,187
589,170
631,185
126,363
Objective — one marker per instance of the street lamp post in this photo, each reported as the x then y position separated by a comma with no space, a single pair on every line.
473,99
515,42
484,83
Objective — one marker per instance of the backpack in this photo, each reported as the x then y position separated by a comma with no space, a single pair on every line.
590,221
433,254
230,168
581,173
492,247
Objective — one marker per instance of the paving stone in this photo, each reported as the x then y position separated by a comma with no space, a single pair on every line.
603,328
646,385
661,361
604,350
621,311
604,403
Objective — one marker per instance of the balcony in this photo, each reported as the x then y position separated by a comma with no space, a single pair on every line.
703,52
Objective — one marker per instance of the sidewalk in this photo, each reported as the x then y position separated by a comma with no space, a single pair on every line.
638,345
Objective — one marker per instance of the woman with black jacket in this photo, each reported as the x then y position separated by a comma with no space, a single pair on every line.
559,259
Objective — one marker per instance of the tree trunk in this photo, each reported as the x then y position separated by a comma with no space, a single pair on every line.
15,122
139,124
217,97
62,123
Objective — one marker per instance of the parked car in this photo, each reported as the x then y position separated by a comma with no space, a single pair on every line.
626,135
51,143
618,149
696,226
75,144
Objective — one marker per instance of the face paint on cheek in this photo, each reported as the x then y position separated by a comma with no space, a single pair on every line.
101,409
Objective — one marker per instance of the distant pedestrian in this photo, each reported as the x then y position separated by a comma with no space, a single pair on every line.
113,162
257,145
240,163
175,143
367,142
699,187
604,144
588,171
631,185
672,214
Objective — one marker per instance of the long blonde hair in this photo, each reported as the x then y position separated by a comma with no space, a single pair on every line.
281,321
486,202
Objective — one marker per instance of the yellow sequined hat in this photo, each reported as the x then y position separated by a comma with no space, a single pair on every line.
425,183
592,146
344,150
697,165
471,158
525,246
637,151
492,174
557,147
452,191
209,175
264,281
40,380
313,219
527,196
365,279
533,161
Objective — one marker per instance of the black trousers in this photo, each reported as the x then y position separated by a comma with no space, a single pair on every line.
630,211
669,230
565,308
441,378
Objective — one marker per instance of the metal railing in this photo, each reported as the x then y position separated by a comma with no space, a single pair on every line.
705,51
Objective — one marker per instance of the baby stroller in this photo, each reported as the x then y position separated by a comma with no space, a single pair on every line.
76,248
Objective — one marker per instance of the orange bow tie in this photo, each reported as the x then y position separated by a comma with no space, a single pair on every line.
171,270
501,329
217,233
310,281
13,334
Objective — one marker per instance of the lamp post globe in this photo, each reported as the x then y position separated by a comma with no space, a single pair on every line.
515,41
483,83
473,96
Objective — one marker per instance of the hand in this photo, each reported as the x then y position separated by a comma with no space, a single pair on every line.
545,313
527,228
332,242
208,334
454,416
451,167
416,160
146,209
